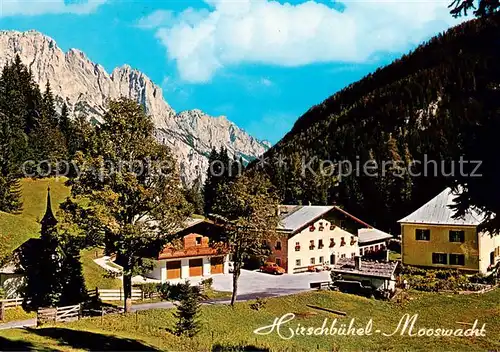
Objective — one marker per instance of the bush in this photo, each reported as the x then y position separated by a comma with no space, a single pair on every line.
149,289
258,304
173,292
441,280
207,283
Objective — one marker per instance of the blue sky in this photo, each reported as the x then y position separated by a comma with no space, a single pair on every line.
261,63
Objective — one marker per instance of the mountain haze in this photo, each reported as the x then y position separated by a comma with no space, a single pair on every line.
86,87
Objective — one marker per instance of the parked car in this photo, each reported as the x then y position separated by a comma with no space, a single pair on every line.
317,269
272,268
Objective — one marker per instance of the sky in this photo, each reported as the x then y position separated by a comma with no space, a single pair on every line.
261,63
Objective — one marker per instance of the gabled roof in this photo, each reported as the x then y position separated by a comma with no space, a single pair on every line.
438,211
295,217
299,216
372,235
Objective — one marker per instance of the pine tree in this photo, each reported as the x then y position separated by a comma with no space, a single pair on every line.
65,124
194,195
10,188
214,173
188,311
49,113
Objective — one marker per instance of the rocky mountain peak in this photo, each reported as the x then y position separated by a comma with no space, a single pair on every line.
86,88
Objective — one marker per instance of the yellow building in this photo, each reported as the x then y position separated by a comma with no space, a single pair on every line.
432,237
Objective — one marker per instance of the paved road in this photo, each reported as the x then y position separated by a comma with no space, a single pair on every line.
253,282
252,285
18,324
240,298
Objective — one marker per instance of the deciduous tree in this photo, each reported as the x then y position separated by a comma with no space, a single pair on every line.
248,207
131,190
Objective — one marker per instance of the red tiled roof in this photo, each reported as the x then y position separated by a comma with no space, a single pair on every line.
169,253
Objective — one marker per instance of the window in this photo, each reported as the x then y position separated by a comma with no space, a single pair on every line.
278,246
457,259
439,258
376,248
321,260
198,241
332,243
353,254
361,251
332,227
312,228
320,244
313,261
278,261
423,234
297,246
342,241
371,248
321,227
297,262
457,236
311,244
353,241
342,256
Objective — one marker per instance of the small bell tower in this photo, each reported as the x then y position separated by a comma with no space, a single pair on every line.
49,220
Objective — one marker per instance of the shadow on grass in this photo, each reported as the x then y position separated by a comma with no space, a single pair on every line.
91,341
238,348
15,345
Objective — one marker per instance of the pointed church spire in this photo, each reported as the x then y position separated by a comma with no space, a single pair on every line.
49,220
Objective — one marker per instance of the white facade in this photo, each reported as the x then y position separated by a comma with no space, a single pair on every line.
488,244
159,272
319,244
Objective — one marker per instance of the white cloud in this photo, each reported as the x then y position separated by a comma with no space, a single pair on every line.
42,7
156,19
268,32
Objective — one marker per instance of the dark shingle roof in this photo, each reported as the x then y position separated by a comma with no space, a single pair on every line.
368,268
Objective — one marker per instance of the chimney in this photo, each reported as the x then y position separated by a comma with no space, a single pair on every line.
357,263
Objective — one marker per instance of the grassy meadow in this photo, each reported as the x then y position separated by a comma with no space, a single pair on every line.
15,229
228,327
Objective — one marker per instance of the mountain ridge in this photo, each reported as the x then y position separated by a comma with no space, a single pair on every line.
86,86
428,105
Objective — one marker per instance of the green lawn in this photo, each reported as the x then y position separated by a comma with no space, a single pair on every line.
94,275
17,313
226,326
394,256
18,228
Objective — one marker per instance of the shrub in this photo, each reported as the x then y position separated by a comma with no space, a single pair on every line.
207,283
149,289
173,292
440,280
258,304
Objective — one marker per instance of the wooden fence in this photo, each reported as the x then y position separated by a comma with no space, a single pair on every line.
59,314
11,303
114,294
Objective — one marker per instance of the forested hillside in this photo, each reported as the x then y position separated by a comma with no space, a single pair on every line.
432,104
